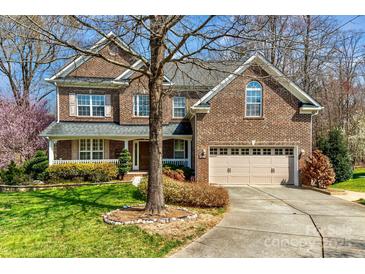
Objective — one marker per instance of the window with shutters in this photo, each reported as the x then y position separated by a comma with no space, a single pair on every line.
91,105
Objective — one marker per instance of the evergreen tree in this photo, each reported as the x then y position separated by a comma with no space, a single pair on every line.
125,162
335,147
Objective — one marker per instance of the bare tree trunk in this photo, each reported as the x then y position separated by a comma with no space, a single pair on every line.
155,199
307,20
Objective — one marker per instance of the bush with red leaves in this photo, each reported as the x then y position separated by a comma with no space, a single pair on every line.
317,170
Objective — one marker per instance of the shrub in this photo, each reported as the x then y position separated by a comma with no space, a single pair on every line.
335,147
318,171
190,194
186,171
14,175
176,174
125,162
37,165
95,172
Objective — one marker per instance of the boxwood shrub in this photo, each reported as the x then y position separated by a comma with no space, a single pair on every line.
94,172
190,194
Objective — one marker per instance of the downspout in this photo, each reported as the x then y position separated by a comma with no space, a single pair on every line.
58,103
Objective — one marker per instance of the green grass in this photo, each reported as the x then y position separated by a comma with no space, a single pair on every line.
357,183
68,223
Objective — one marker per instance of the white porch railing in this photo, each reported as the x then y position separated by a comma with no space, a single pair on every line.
114,161
176,162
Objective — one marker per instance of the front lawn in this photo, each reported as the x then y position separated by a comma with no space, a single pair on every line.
68,223
357,183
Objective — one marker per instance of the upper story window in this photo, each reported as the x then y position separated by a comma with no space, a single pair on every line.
141,105
90,105
179,107
253,99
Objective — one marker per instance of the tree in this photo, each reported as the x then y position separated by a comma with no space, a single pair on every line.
335,147
157,40
19,131
24,59
318,171
37,165
124,162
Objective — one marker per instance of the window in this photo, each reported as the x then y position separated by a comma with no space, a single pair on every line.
245,151
178,107
289,151
279,151
90,105
223,151
235,151
253,99
141,105
179,149
266,151
91,149
213,151
256,151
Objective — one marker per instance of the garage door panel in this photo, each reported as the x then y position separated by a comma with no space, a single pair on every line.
260,180
219,180
239,180
219,171
251,169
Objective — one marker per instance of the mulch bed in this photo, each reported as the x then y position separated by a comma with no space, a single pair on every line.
137,215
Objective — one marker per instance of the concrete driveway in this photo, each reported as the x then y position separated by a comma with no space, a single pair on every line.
279,221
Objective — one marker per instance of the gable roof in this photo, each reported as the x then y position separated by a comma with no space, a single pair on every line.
258,59
99,45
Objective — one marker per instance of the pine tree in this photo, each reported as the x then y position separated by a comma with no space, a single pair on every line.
125,162
335,147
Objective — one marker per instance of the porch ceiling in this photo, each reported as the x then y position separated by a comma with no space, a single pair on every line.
92,129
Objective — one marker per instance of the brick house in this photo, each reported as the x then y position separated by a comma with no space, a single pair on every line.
233,124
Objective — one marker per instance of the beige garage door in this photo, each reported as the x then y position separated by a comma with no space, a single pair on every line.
235,166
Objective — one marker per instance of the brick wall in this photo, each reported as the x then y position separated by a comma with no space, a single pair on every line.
97,67
64,104
63,150
226,124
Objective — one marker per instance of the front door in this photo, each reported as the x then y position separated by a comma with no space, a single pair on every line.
143,155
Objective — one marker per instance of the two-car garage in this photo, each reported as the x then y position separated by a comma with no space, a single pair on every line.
251,165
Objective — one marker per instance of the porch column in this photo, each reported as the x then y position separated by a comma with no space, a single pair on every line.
50,151
126,144
189,153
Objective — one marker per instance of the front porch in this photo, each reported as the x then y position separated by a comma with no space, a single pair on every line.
176,151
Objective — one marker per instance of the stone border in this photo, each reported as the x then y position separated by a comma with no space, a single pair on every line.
24,188
192,216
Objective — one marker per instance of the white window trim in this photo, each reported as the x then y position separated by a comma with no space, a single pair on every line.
173,107
182,150
91,149
246,103
137,105
90,106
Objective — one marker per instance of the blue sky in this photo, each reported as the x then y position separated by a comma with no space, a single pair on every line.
357,24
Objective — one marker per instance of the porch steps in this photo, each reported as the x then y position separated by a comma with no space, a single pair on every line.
133,174
137,180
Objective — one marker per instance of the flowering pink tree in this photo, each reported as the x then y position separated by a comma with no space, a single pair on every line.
19,131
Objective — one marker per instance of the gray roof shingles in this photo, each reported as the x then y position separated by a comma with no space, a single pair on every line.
92,129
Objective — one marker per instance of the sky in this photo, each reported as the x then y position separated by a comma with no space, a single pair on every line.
357,24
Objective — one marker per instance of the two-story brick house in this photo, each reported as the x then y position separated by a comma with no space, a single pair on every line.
234,124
